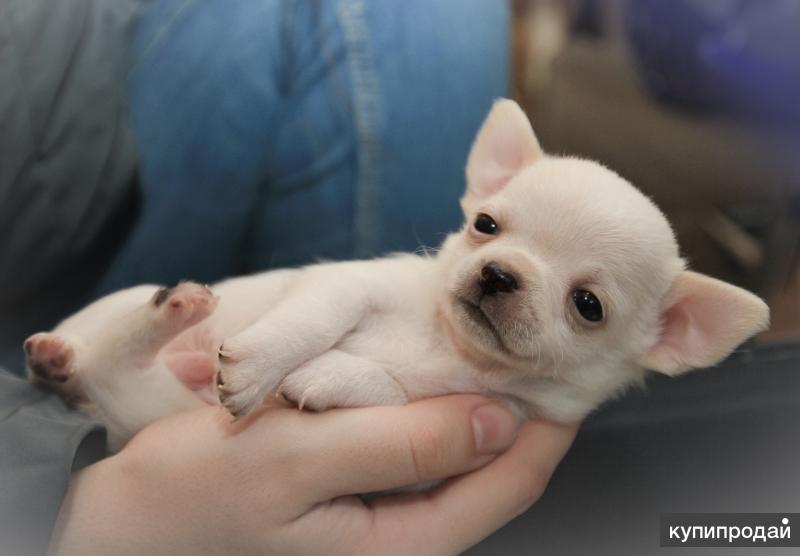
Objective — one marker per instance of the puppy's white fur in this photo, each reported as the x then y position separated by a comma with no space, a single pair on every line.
397,329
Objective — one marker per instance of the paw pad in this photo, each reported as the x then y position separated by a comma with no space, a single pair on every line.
49,357
187,303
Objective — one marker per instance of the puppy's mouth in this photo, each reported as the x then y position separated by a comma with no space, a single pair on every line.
480,325
476,314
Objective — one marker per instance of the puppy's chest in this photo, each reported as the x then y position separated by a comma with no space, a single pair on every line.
408,343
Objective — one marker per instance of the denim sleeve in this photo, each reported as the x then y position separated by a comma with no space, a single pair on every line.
41,443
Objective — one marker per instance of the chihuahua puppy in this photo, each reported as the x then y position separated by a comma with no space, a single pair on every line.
563,286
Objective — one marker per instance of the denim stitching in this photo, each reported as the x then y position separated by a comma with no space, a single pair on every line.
367,116
158,36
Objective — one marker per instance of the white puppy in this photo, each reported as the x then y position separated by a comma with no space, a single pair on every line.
564,284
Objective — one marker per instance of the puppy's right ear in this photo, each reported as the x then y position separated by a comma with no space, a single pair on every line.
505,145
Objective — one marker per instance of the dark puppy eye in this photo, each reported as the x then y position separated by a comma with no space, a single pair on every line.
485,224
588,305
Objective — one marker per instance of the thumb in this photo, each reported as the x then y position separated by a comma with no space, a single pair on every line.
381,448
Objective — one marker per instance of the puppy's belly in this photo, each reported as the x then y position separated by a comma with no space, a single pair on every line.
196,370
192,358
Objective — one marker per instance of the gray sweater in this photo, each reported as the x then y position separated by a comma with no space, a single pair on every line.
41,443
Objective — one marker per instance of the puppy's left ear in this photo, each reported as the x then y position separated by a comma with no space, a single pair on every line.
505,145
703,320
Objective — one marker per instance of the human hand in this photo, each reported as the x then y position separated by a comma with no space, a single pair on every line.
282,482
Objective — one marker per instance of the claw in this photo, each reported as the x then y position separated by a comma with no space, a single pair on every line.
220,383
236,414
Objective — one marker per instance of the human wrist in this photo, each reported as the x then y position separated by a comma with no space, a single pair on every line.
105,511
87,511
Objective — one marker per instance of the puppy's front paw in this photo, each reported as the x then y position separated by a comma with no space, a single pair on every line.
50,358
243,379
307,394
337,379
185,304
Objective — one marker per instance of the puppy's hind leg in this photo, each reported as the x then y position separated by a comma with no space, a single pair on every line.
123,330
137,336
50,362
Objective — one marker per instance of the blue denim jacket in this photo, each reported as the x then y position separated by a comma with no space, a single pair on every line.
274,133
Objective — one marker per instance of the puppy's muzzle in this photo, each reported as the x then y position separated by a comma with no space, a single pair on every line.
494,279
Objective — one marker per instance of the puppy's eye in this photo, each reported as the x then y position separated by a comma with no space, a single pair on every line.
485,224
588,305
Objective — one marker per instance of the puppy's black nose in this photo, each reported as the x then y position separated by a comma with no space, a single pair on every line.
494,279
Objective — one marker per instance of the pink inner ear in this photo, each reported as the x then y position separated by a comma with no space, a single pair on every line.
675,324
682,337
493,186
706,321
505,145
693,334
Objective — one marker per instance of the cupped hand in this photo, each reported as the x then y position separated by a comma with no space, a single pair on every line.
284,482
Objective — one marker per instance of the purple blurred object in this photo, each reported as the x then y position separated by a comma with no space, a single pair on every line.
734,56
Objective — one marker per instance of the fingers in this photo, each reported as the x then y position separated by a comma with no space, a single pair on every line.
372,449
471,507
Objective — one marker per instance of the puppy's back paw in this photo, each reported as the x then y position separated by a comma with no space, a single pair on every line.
50,358
185,304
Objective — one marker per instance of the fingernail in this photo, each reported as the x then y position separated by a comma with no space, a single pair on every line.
494,427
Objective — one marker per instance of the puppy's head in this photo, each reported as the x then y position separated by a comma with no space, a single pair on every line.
563,266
